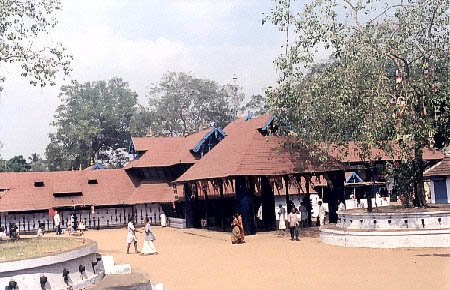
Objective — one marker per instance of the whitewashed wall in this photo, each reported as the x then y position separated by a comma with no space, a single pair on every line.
106,217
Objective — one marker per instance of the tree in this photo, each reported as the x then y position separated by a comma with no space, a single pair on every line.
181,103
93,118
386,77
24,26
15,164
258,105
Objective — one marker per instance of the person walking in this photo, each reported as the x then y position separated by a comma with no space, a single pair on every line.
131,236
57,222
293,222
241,227
281,219
148,247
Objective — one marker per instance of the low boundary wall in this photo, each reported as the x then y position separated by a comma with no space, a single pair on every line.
27,272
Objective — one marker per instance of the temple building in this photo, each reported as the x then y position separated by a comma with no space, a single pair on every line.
202,179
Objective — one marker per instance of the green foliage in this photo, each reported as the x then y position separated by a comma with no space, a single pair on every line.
367,71
15,164
257,105
181,103
93,118
24,27
20,164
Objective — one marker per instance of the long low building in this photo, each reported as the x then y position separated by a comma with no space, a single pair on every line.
202,178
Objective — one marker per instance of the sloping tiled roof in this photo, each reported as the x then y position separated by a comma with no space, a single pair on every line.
352,153
165,151
114,186
151,192
440,169
245,151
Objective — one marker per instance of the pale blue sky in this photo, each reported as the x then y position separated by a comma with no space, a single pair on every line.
139,41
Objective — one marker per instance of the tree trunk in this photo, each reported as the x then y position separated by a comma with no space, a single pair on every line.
418,167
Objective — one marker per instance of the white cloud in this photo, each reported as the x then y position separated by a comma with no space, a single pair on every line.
100,52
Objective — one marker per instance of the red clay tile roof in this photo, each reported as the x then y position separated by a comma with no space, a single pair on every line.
442,168
114,187
165,151
245,151
352,153
152,192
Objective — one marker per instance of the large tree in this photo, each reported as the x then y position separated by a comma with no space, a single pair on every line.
181,103
370,71
24,29
93,119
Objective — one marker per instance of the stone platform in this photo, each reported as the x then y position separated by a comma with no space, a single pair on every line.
396,229
83,263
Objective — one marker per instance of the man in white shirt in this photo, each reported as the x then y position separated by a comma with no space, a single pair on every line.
131,236
57,222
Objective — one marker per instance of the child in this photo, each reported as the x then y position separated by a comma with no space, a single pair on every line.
40,231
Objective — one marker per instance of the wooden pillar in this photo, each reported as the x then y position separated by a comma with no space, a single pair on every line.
188,205
222,213
205,192
286,185
308,199
337,179
268,204
244,198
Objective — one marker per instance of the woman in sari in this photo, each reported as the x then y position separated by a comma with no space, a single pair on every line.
241,227
235,231
148,248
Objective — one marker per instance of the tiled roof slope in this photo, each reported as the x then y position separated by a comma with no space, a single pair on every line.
352,153
114,187
165,151
440,169
245,151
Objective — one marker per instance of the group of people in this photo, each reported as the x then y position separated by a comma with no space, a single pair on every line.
72,224
148,247
293,221
237,229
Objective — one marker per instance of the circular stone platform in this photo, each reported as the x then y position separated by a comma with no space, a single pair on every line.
390,229
27,272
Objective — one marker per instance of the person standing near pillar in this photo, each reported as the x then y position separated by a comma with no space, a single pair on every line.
282,220
57,222
163,219
322,213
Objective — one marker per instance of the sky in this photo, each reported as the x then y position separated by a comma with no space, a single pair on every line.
139,41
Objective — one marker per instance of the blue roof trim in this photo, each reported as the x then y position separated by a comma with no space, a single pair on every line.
267,124
97,166
218,133
353,178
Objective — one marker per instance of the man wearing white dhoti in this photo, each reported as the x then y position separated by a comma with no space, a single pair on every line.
131,236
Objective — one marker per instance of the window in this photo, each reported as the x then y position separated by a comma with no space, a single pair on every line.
39,183
67,194
92,181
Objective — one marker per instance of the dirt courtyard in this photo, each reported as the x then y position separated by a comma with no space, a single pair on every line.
199,259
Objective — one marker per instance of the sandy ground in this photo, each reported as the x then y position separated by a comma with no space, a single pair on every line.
198,259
